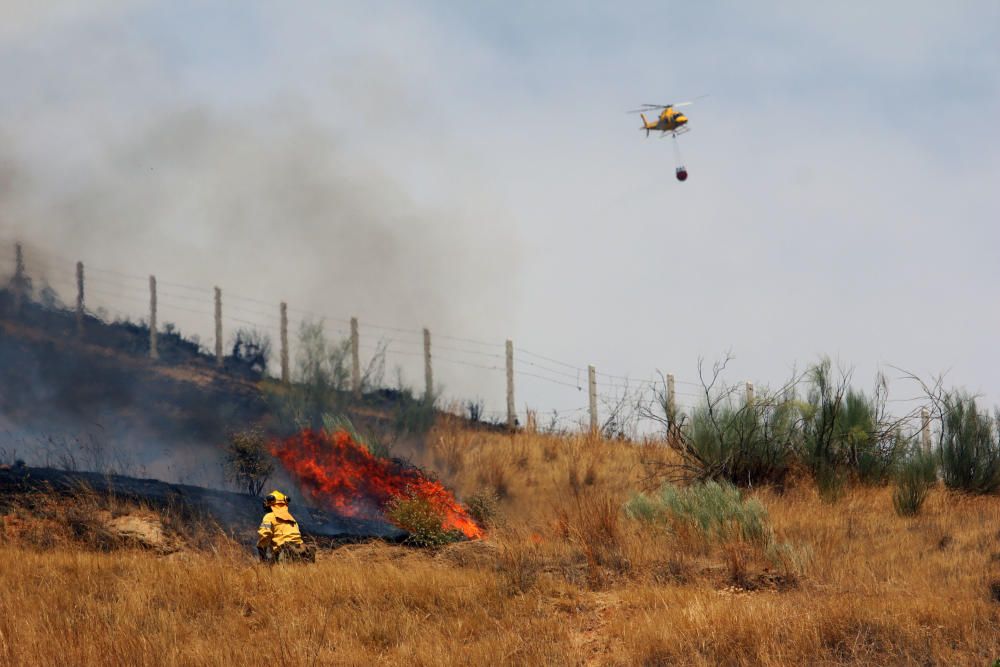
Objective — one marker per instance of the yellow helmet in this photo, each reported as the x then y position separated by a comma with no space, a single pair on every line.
274,498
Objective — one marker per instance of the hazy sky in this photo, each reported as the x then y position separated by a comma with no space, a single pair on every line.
471,169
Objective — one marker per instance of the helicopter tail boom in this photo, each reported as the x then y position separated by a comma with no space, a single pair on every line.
645,123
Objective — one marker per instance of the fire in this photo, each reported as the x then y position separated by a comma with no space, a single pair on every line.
341,475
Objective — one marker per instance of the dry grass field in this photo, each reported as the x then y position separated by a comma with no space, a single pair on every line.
564,578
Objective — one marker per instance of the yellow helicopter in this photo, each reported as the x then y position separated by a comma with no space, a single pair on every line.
670,121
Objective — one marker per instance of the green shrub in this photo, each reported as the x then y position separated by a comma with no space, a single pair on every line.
717,511
422,520
970,450
484,507
742,444
414,415
720,515
645,508
915,478
845,433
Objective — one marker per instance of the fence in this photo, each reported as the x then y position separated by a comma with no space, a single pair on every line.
589,394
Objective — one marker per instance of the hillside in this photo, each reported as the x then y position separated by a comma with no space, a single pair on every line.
97,402
576,568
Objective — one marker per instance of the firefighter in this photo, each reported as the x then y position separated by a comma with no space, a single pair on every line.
280,539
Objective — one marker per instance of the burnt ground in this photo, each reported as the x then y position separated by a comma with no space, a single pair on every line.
95,401
237,514
104,380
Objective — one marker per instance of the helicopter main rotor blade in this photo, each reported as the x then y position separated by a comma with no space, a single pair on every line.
650,107
690,102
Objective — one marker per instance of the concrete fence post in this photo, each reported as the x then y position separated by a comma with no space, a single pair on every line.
19,278
925,430
428,370
749,393
355,359
154,353
592,393
671,406
79,299
285,376
218,327
511,411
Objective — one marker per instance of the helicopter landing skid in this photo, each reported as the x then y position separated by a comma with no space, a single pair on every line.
674,133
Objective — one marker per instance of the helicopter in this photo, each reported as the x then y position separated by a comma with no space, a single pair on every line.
670,121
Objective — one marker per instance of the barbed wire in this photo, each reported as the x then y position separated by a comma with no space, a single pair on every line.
105,284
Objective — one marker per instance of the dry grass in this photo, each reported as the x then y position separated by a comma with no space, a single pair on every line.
564,578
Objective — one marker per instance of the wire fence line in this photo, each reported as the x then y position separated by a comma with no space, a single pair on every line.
114,295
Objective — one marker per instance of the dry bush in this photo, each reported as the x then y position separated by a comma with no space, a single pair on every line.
519,561
422,520
484,507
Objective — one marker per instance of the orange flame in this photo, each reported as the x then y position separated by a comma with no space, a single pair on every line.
341,475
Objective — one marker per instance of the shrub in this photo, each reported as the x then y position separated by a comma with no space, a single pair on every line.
375,445
475,410
830,482
422,520
414,415
720,515
645,508
484,507
248,461
742,444
970,451
916,477
844,432
252,348
716,511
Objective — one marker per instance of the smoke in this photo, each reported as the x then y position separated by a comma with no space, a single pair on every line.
135,138
268,207
117,150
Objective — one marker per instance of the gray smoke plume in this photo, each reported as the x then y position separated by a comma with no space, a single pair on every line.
103,160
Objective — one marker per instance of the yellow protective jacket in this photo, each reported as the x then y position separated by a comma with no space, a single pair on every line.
278,527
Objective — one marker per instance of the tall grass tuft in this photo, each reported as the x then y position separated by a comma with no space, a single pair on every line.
915,478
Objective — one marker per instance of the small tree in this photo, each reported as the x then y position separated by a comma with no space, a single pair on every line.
248,462
969,445
253,348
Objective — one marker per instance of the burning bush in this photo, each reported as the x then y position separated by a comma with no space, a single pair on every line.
423,520
341,475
